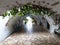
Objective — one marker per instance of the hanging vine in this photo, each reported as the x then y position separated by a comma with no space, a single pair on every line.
28,8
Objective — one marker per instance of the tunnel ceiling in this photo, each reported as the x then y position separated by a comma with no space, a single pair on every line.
7,4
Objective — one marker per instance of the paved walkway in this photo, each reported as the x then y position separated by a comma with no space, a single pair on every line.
36,38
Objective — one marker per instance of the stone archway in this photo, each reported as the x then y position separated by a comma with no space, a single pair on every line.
44,20
52,24
39,19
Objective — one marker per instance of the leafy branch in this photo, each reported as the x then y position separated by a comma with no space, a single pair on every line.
25,9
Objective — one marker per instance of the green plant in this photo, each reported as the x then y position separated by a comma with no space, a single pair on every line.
31,8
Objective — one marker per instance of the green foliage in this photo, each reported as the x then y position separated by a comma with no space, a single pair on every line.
14,11
25,9
5,14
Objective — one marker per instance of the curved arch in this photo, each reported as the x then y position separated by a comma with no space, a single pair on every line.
45,20
51,22
40,20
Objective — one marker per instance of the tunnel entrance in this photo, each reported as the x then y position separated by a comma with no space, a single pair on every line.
28,23
31,23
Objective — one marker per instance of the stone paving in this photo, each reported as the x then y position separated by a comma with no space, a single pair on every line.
40,38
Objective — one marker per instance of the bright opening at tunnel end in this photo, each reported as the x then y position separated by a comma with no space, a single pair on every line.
29,25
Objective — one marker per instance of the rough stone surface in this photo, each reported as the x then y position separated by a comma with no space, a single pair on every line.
40,38
7,4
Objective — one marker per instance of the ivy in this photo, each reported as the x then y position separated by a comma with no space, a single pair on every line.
14,11
32,9
5,14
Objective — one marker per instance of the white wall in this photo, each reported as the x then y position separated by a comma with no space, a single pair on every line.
4,30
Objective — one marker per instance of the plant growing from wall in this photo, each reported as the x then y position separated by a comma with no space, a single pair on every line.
31,8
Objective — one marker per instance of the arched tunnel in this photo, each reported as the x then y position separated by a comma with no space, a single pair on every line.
29,24
40,31
19,23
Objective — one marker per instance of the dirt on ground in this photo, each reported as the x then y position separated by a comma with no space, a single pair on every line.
40,38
